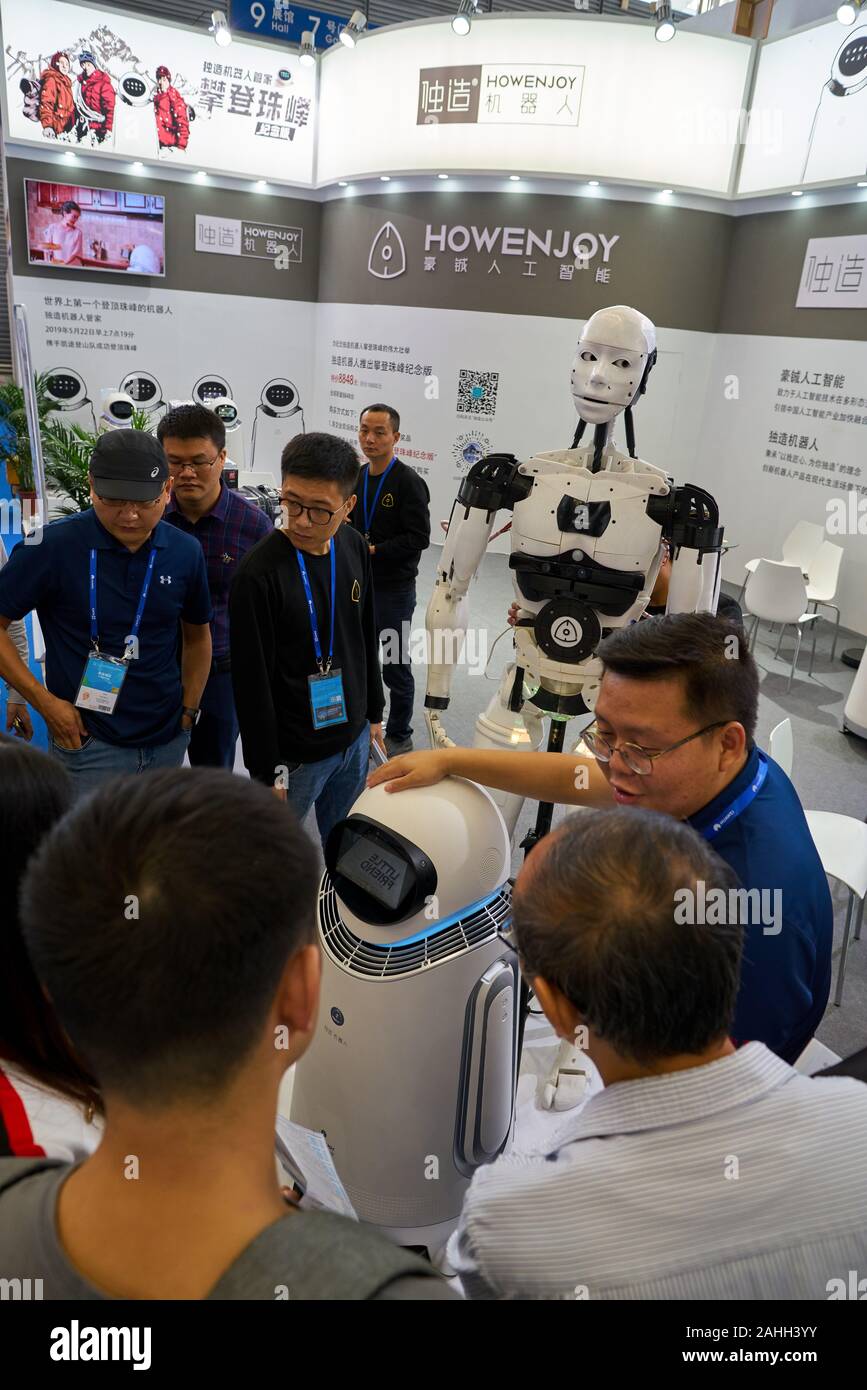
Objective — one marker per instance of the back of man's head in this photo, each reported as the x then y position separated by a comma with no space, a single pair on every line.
600,915
160,914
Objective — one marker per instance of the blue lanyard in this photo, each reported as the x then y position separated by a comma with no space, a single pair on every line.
311,609
369,519
94,626
740,803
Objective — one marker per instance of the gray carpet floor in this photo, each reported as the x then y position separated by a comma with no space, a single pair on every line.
829,772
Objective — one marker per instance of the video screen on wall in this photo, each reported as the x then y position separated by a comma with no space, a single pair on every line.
107,230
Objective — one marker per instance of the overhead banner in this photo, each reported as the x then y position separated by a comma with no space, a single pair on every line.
808,120
111,84
580,96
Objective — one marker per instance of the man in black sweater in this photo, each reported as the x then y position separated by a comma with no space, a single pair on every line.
305,659
393,517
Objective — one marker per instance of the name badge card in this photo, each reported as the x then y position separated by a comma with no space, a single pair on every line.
101,684
327,704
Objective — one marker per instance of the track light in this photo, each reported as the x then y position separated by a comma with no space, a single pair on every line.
351,33
307,52
219,27
848,11
462,21
664,23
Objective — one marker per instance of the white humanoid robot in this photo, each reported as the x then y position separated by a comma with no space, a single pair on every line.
589,525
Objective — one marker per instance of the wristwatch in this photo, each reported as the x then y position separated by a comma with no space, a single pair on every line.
194,714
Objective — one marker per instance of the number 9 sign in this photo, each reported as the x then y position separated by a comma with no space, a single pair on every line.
257,14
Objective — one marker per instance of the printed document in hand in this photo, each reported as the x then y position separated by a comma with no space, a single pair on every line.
303,1154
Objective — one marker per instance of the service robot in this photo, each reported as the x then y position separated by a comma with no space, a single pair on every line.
589,529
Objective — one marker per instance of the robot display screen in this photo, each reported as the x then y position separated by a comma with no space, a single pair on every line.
381,873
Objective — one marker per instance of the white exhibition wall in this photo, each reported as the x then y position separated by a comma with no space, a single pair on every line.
733,413
596,97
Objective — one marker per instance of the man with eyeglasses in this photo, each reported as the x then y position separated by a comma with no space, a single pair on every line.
226,525
674,732
305,662
123,603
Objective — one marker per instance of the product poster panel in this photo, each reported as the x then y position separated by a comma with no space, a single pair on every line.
104,83
808,122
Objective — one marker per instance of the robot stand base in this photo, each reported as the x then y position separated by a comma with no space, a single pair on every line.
433,1239
852,656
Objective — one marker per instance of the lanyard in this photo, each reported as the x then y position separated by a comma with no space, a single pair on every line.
94,627
740,803
311,609
369,519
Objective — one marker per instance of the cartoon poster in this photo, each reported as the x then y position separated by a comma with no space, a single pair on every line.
125,86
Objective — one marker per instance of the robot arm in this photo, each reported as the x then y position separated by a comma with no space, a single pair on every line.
492,484
689,517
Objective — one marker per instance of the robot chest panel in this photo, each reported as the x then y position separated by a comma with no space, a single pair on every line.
602,515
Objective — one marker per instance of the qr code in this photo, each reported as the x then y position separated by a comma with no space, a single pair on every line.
477,392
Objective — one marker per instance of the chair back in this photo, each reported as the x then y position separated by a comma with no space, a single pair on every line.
802,542
823,571
781,746
776,592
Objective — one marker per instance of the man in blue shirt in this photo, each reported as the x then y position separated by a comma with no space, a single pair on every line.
226,526
114,589
674,730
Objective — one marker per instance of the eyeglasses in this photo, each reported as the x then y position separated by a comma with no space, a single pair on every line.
118,503
319,516
639,760
178,465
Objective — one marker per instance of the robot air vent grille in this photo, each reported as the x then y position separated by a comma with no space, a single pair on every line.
390,962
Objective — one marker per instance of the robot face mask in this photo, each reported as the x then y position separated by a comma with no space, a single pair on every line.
605,380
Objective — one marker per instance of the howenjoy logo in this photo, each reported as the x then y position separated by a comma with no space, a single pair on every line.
387,257
77,1343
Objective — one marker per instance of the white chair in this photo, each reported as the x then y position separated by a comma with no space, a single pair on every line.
777,593
799,547
822,574
842,845
781,746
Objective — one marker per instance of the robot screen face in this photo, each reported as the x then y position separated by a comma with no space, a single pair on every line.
134,89
65,386
605,380
211,388
227,412
143,389
381,876
280,396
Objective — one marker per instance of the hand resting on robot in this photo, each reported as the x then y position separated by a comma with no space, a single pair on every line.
565,778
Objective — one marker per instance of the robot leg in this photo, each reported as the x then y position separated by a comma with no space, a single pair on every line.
500,727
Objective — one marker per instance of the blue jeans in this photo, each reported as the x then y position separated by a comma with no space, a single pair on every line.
95,761
332,785
394,610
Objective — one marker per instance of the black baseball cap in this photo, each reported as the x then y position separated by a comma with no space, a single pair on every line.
129,465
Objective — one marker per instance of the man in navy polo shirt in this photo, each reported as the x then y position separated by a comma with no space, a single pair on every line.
226,526
114,589
674,730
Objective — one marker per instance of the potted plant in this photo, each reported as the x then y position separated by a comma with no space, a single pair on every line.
15,439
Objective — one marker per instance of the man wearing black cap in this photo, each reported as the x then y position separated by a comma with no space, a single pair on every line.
114,588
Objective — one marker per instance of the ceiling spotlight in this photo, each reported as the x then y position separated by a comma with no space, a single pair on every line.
137,166
665,192
341,183
385,178
261,185
862,183
797,193
219,27
70,157
307,52
848,11
515,178
442,176
351,32
592,183
664,23
200,176
462,21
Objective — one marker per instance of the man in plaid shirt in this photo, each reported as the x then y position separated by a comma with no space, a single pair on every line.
226,526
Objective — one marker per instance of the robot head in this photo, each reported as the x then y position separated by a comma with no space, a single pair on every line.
612,362
65,389
228,412
117,410
849,68
134,89
211,388
280,397
144,389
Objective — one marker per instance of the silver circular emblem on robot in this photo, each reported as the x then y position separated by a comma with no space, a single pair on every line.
566,632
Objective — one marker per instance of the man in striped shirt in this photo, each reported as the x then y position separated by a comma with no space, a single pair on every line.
699,1172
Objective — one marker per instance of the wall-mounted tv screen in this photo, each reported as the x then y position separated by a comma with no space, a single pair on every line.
107,230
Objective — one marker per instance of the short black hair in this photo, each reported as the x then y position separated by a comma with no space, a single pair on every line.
160,913
597,919
70,206
719,673
35,791
192,422
389,410
322,456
